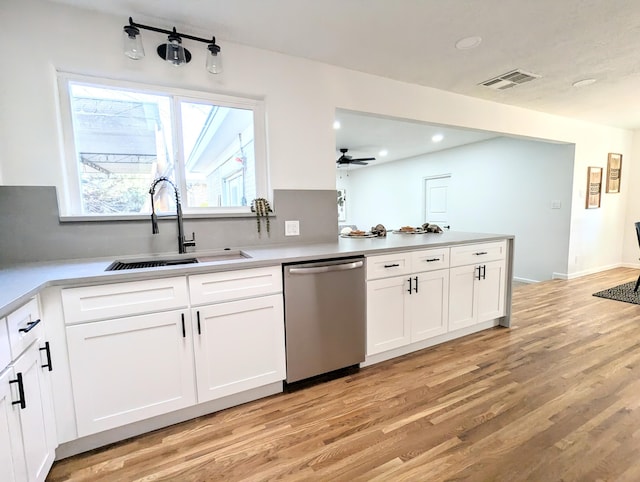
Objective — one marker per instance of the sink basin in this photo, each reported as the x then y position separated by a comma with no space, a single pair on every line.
212,257
224,255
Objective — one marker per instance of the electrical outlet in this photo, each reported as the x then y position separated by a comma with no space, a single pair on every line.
556,204
292,228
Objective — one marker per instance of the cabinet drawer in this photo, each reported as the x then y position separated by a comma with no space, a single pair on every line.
24,327
234,285
429,260
124,299
387,265
478,253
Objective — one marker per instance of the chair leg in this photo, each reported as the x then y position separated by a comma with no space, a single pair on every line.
637,284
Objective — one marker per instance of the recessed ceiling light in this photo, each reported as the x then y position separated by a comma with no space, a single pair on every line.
468,43
383,152
584,82
336,124
437,138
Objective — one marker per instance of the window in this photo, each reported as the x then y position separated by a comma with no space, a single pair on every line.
119,138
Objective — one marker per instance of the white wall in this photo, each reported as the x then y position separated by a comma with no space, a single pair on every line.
501,185
301,97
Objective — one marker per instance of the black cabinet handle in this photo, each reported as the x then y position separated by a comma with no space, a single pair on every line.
198,316
478,275
480,253
47,350
394,265
484,271
431,260
21,400
410,285
416,288
184,331
30,326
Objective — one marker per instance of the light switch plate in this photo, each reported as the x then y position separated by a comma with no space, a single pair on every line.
292,228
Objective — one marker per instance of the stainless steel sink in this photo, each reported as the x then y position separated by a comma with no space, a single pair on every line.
211,257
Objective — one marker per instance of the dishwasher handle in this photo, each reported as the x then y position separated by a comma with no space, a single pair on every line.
327,268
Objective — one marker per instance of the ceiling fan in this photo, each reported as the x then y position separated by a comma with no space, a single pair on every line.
360,161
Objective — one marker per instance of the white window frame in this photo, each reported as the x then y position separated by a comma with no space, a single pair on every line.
70,195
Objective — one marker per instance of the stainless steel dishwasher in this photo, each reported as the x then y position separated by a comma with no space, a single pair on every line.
325,316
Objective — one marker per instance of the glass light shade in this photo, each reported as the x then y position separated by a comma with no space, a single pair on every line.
175,52
214,62
132,45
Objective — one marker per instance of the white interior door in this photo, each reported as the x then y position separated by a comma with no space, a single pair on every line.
436,200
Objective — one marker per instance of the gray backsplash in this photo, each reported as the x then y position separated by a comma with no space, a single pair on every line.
31,231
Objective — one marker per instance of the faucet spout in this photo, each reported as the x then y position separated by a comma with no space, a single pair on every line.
182,241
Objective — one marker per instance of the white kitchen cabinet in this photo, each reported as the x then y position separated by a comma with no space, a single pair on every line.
429,305
128,369
388,325
406,309
12,463
477,291
238,345
27,422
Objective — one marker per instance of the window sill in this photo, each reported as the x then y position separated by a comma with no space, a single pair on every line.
145,217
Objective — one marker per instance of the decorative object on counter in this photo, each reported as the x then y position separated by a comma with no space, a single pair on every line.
614,170
431,228
261,207
594,187
342,205
172,51
379,230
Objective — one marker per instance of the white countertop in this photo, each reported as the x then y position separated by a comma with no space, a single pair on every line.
19,283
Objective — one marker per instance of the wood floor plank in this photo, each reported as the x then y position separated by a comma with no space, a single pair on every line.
553,398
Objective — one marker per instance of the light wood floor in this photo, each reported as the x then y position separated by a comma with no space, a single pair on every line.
556,397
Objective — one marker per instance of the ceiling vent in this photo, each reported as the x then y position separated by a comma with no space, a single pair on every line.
510,79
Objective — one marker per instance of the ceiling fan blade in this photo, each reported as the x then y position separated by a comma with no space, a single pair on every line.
364,159
359,162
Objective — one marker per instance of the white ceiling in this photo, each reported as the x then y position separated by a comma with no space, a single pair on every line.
563,41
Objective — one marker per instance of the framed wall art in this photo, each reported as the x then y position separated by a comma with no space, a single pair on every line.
342,205
594,187
614,170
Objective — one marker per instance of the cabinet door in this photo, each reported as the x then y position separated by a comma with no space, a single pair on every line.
462,296
388,326
128,369
12,465
35,416
239,345
491,291
429,305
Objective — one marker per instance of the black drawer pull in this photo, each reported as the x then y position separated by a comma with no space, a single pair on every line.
30,326
410,286
47,350
431,260
184,331
21,400
198,316
480,253
394,265
416,288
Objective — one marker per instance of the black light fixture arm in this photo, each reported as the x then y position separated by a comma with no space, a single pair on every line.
211,41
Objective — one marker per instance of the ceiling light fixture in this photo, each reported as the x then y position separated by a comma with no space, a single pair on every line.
468,43
383,152
437,138
583,82
172,51
336,124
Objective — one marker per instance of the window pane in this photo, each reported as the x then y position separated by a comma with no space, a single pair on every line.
123,141
218,155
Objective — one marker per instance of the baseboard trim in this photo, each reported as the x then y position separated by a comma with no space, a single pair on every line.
525,280
586,272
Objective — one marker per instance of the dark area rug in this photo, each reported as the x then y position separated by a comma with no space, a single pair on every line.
621,293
